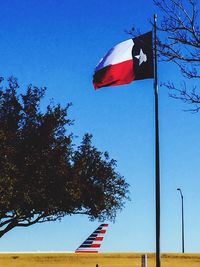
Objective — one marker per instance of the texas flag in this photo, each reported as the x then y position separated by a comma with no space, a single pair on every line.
127,61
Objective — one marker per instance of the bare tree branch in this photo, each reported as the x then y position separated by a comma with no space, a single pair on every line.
179,42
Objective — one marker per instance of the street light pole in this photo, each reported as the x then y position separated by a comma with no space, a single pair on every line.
183,245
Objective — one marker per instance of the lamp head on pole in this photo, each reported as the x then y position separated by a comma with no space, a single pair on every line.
180,191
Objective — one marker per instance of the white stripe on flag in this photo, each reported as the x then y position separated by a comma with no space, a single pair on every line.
119,53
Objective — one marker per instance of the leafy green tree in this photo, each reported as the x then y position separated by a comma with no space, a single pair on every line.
43,175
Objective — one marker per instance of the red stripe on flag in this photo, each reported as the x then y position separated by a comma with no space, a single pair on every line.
102,231
121,73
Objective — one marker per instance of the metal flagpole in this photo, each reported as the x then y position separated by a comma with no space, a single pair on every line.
157,152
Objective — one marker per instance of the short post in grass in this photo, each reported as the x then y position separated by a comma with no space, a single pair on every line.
144,260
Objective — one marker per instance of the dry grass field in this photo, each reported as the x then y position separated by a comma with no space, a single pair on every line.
90,260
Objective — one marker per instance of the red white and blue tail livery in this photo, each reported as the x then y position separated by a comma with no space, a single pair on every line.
93,243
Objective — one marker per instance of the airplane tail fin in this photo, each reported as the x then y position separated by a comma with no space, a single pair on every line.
93,243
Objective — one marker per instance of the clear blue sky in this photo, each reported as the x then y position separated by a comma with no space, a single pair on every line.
57,44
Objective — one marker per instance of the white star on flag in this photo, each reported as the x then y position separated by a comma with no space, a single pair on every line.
142,57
